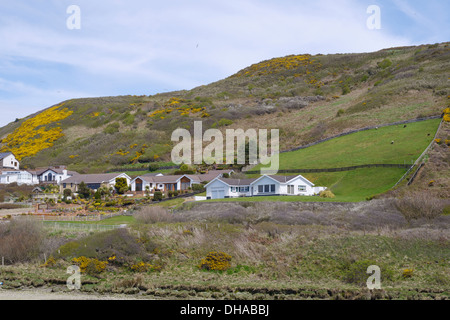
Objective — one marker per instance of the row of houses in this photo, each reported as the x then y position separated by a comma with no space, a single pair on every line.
218,183
140,184
10,172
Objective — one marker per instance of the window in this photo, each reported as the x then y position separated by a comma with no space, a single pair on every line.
267,188
233,189
301,188
244,189
64,185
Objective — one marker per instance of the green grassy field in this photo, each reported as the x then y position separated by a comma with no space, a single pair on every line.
365,147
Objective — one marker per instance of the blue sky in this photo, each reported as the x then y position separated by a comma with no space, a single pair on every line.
140,47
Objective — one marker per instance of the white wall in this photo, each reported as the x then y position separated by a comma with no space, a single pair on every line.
10,162
20,177
266,181
216,184
300,182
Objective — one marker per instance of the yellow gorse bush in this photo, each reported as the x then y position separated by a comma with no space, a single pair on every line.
144,267
174,104
90,265
32,136
407,273
275,65
216,261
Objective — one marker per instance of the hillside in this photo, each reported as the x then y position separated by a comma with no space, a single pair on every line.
306,97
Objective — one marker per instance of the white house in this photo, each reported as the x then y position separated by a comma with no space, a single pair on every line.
8,161
173,182
93,181
265,185
284,185
220,188
54,174
18,176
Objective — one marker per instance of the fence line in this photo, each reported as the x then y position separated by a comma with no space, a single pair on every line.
373,165
145,168
77,226
90,217
420,157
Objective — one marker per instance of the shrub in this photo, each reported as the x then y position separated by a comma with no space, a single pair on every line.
198,187
144,267
326,194
20,240
385,63
216,261
340,112
345,89
112,128
157,196
356,272
153,214
91,266
118,243
51,262
225,122
419,205
153,167
407,273
121,185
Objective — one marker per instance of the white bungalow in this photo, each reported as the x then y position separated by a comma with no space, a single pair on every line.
92,181
161,182
220,188
284,185
263,186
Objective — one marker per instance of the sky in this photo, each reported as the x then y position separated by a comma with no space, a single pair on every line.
50,52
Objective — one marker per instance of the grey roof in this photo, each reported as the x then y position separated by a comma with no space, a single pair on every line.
91,178
4,154
211,175
282,178
237,182
152,174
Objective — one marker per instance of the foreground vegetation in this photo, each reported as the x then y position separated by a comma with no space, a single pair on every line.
240,251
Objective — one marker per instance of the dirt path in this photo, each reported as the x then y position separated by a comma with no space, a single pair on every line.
47,294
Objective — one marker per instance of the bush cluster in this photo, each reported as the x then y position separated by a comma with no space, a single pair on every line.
216,261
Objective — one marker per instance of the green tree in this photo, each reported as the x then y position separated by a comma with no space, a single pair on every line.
67,193
84,191
121,185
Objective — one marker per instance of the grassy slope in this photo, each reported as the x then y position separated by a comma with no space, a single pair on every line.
365,147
